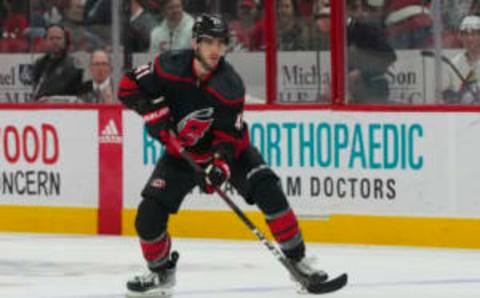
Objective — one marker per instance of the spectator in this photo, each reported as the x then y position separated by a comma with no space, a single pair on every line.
98,19
98,12
141,25
369,54
55,73
243,24
197,7
292,35
461,82
320,39
409,23
291,32
174,32
14,25
306,7
53,12
100,88
453,12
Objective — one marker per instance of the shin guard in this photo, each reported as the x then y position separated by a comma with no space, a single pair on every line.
285,230
157,251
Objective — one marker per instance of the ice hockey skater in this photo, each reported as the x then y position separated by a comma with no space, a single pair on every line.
192,101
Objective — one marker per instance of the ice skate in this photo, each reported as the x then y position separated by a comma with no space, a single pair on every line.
306,269
155,284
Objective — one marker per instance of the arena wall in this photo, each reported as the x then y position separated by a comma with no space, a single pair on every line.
371,176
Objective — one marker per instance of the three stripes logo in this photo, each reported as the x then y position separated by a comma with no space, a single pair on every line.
110,134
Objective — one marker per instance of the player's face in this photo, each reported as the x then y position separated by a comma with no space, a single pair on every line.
211,50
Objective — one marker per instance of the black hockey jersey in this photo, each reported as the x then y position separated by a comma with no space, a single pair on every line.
205,114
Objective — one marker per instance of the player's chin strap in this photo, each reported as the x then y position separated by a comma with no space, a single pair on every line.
312,285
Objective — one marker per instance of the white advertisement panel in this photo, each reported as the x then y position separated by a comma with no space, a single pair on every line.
49,158
16,78
399,163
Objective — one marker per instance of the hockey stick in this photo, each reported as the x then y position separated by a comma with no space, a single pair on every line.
431,54
312,284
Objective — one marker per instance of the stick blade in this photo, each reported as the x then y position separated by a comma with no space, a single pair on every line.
328,286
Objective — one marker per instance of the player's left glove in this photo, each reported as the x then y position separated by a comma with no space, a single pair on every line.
216,173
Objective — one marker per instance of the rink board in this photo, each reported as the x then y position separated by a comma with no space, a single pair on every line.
399,178
417,166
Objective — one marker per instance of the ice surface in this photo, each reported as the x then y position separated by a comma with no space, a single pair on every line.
53,266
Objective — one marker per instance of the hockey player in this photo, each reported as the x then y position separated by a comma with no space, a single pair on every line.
193,100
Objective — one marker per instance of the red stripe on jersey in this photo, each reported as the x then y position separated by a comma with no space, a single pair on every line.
160,72
284,227
221,98
126,83
240,144
157,250
126,93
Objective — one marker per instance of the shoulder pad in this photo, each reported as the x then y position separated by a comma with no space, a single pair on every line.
173,64
228,85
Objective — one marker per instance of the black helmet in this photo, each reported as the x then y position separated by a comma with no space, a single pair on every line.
211,25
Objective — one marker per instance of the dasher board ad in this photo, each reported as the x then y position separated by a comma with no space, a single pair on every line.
49,158
372,163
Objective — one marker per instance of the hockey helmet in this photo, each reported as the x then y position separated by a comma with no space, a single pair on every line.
212,26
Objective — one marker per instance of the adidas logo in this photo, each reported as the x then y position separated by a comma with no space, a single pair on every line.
110,133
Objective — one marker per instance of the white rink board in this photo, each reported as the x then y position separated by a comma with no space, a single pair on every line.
54,163
428,169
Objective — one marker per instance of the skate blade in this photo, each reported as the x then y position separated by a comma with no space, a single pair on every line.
156,293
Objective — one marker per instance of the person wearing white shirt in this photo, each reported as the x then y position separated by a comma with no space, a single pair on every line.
461,83
174,32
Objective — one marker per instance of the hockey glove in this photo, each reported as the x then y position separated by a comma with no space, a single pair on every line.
157,127
216,174
171,142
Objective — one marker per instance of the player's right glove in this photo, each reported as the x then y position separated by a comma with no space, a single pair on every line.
157,127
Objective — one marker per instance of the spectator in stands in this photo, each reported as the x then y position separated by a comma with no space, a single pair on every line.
100,88
55,73
140,26
320,34
98,19
409,23
291,30
292,33
198,7
369,54
174,32
453,12
306,7
14,25
462,80
98,12
243,24
53,11
82,38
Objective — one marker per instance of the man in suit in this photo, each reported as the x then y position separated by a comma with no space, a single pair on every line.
100,88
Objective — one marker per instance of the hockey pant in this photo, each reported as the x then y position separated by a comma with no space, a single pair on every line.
172,179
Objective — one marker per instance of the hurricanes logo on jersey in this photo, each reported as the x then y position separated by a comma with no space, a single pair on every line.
194,126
